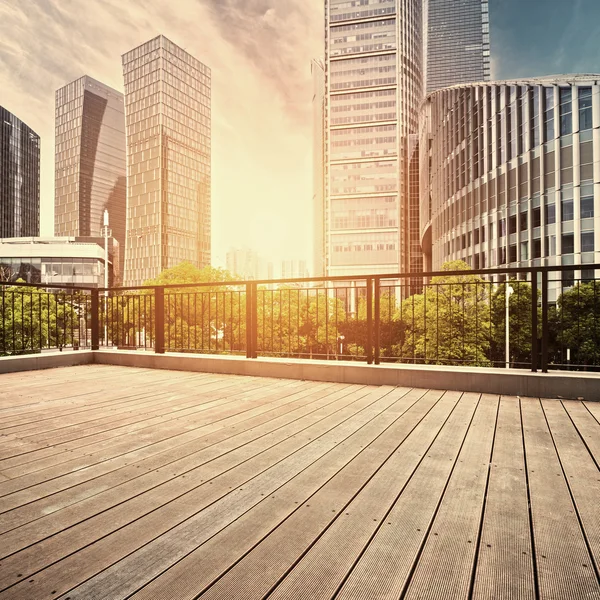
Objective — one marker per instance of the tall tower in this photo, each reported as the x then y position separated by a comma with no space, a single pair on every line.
89,160
168,119
457,42
19,178
374,88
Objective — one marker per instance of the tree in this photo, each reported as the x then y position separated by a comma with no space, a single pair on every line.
33,319
575,324
449,323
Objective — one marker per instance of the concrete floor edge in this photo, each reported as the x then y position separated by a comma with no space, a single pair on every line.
559,385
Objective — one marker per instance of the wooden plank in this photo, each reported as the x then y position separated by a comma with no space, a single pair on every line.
384,568
102,493
261,569
559,544
505,566
581,473
332,480
185,497
121,453
324,568
445,566
206,524
109,454
587,425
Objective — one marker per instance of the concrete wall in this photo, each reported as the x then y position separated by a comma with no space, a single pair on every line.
512,382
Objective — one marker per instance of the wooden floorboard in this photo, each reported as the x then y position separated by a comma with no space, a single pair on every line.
121,483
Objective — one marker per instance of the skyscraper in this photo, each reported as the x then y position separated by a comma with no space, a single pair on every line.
457,42
89,160
374,88
168,120
19,178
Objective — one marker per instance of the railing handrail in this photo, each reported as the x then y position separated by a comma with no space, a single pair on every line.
365,278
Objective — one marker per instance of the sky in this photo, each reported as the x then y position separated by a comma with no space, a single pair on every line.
259,52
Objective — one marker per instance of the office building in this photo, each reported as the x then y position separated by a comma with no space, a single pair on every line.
513,175
457,41
374,87
56,261
168,124
19,177
294,269
89,160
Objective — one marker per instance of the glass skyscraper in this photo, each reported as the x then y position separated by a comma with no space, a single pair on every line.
374,87
19,178
168,121
457,42
90,160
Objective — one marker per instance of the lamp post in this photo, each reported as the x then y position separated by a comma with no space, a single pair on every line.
508,293
106,232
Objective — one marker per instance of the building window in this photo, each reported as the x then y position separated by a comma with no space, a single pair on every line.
587,241
512,254
548,114
523,221
567,210
501,256
534,111
550,214
585,109
524,251
512,224
537,248
501,228
566,111
568,243
536,215
587,207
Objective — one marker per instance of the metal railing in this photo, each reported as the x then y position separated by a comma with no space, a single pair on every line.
448,318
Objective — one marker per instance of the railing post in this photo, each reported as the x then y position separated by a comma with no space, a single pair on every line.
369,321
545,329
95,320
249,350
159,320
254,321
534,322
377,318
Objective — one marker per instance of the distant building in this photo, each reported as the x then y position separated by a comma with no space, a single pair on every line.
247,264
294,269
319,212
19,177
90,169
60,261
457,42
512,177
168,120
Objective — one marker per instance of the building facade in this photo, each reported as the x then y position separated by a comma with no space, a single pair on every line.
59,261
19,177
89,160
319,213
374,87
457,40
168,124
513,174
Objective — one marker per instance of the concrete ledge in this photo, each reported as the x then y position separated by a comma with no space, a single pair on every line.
46,360
464,379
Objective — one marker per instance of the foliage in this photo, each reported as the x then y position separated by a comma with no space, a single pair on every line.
32,319
520,324
575,323
449,323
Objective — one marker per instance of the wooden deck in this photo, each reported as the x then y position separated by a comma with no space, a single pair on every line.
133,483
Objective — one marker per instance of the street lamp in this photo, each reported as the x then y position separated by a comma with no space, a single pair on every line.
508,294
106,232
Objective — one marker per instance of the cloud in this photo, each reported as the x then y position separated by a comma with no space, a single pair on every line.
259,52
